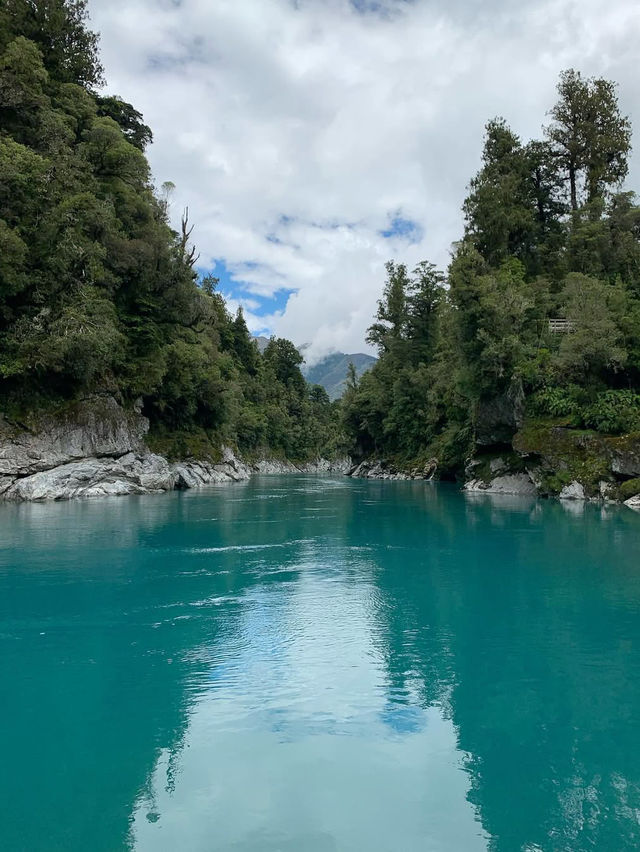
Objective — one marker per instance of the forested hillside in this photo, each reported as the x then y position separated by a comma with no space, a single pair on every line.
97,293
537,321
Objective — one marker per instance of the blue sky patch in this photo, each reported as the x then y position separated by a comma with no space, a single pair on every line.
405,229
257,303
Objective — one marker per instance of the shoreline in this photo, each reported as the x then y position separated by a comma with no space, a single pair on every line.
96,448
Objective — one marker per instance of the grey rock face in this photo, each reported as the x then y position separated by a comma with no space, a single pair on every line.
327,466
607,491
573,491
194,474
497,465
90,448
379,470
633,502
89,429
93,477
268,466
499,418
510,483
626,462
95,448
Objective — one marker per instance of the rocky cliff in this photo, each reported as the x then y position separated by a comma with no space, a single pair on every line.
518,455
551,459
95,448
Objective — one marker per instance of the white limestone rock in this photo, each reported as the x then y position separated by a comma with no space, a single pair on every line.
274,466
509,483
633,502
320,465
96,477
497,465
573,491
195,474
91,428
607,491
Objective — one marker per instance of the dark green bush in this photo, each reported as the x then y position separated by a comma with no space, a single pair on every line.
629,488
614,411
557,401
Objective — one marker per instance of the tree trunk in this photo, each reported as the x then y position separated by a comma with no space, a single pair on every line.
574,191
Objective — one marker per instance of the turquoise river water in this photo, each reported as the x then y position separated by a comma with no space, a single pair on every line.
317,664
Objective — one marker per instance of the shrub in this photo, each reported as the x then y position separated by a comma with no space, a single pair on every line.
614,411
629,488
558,402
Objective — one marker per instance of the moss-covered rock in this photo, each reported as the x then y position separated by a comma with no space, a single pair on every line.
561,455
178,445
629,488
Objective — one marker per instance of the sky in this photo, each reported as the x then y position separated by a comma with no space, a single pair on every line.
313,140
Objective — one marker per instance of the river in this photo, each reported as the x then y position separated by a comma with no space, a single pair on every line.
313,664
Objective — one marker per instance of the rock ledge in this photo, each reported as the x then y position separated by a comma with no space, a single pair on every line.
94,448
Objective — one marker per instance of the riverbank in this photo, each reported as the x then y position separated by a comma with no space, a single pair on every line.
94,448
543,458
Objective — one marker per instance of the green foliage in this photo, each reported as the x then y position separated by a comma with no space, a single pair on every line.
390,327
59,30
546,238
589,136
513,208
97,292
629,489
611,411
128,119
595,343
614,411
556,401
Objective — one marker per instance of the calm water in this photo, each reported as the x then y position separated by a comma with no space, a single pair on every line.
319,664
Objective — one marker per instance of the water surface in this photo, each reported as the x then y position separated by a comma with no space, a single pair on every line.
316,663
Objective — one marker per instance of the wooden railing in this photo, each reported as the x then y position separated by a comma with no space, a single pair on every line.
561,326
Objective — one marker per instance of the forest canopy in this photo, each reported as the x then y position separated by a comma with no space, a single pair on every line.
540,304
98,294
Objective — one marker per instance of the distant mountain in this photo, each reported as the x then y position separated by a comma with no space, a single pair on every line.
261,343
332,371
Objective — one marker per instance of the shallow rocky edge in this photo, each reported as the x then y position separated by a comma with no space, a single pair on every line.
517,455
501,480
96,448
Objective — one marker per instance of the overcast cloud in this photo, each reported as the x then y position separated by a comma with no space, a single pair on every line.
315,139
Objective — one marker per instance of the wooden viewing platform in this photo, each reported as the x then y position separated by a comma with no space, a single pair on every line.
561,326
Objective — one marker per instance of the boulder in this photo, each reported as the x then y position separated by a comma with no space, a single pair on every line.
625,460
96,477
633,502
573,491
510,483
194,474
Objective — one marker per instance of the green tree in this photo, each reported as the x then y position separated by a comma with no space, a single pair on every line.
424,295
514,207
59,29
595,343
590,137
128,119
391,318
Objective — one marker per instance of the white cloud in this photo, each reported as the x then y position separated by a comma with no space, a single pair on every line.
296,130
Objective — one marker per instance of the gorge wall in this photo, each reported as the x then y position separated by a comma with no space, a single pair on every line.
94,447
514,453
